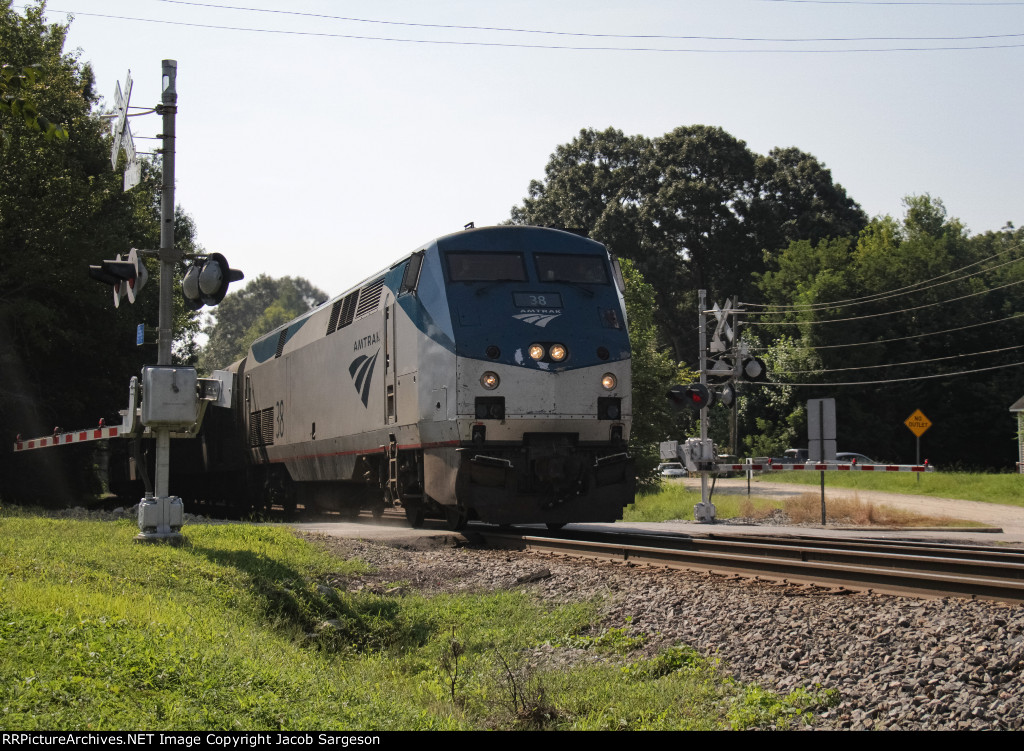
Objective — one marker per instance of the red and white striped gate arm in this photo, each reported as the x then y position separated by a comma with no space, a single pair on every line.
824,467
73,436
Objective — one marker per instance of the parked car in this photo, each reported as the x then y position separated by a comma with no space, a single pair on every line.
672,469
849,457
792,456
729,459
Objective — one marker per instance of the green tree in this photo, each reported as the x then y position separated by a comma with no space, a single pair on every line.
897,305
798,200
67,354
258,308
653,374
18,102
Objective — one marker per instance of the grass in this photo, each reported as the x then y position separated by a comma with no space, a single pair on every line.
251,628
1005,489
676,501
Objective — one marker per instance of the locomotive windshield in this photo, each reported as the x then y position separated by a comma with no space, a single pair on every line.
574,269
486,267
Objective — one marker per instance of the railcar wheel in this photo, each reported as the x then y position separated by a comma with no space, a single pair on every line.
455,518
414,515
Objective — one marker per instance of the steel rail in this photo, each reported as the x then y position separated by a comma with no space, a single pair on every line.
945,549
896,569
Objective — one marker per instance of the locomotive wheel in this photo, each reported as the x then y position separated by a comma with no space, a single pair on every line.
455,518
414,515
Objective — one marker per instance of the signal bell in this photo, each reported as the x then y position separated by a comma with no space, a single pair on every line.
206,282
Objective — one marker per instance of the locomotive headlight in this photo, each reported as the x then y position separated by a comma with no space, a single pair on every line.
490,380
537,351
609,381
558,352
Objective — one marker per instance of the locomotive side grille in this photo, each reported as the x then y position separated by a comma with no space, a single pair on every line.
369,297
280,342
348,310
332,324
261,427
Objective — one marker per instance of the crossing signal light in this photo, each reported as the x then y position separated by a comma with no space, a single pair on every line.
206,282
754,369
728,396
692,396
126,276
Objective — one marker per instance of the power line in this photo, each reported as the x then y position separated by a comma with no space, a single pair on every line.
878,296
517,30
817,371
895,380
517,45
902,338
924,3
889,313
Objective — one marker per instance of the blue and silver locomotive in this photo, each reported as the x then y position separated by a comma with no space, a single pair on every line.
484,376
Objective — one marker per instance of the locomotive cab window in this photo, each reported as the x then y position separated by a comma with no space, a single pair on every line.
574,269
486,267
411,276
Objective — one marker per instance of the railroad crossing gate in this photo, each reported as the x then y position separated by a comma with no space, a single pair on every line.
918,423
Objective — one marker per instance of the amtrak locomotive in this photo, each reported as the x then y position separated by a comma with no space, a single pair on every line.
484,376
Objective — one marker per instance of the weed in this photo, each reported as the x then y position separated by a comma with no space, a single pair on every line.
851,510
669,661
753,706
453,650
609,641
525,695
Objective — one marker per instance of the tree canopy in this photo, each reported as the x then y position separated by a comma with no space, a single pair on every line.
917,315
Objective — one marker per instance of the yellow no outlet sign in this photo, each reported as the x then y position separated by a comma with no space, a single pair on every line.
918,423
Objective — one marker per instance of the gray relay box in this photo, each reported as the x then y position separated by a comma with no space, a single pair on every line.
170,398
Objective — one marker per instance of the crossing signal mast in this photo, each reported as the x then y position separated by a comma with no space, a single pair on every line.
168,399
171,396
730,363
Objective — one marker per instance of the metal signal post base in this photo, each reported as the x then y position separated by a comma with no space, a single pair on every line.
160,520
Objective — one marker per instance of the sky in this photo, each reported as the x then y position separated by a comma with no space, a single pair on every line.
315,146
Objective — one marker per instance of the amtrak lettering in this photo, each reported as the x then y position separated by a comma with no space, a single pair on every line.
366,341
361,370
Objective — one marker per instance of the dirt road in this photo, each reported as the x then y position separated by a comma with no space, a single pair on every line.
1010,518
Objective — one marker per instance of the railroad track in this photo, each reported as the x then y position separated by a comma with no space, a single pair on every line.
894,567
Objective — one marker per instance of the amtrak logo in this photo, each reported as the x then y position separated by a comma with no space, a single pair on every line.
537,319
361,371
